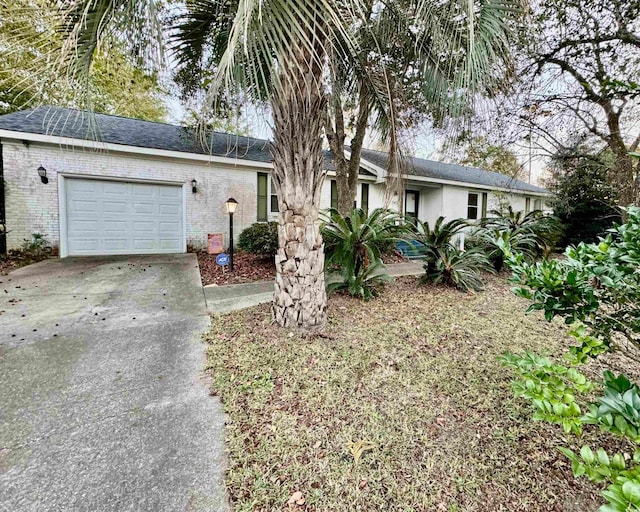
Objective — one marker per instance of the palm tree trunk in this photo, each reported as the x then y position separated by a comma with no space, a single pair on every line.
300,299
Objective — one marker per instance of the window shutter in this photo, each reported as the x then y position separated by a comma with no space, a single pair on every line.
263,184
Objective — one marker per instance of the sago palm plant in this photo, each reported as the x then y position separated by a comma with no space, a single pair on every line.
444,261
277,52
533,234
354,244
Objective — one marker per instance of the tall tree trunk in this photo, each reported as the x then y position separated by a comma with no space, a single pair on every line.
347,171
622,175
300,298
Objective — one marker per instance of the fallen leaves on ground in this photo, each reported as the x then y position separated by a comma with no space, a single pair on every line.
248,268
414,373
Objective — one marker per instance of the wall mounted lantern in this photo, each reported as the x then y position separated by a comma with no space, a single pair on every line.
194,186
42,172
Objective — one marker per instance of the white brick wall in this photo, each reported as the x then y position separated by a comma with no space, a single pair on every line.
32,207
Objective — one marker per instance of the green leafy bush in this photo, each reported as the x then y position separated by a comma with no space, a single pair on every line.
366,284
353,246
260,239
445,262
598,466
623,494
618,411
550,387
597,285
583,199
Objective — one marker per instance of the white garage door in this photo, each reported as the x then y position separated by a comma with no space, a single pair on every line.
117,217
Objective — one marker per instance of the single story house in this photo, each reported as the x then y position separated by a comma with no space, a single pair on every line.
101,184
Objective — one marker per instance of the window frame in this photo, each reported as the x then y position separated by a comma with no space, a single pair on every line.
474,207
537,204
334,194
364,204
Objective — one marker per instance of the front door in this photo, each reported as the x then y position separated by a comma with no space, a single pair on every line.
411,201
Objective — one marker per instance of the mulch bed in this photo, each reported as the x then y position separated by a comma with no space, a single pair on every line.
249,268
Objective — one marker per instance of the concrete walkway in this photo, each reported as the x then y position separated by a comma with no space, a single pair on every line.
101,403
222,299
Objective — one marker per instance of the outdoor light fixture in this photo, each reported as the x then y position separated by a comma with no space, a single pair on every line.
194,185
231,205
42,172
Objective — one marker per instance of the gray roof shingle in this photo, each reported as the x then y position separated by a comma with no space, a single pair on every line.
77,124
453,172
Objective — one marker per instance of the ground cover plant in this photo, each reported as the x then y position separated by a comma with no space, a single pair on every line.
401,404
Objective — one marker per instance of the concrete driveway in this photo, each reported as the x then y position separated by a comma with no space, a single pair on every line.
102,406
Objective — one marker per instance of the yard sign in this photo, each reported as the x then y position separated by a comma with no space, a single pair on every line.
215,243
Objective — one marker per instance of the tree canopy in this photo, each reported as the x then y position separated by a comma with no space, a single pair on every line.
479,152
580,75
29,41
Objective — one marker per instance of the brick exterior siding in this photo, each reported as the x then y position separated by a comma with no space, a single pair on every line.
32,207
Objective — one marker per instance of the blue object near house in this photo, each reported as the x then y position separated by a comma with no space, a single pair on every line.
412,249
222,259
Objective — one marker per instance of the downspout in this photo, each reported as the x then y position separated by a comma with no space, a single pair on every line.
3,219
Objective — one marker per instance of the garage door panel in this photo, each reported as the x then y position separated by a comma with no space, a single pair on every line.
115,227
174,193
140,244
116,244
171,245
172,228
169,209
115,207
139,190
83,186
113,217
144,228
114,188
85,205
84,245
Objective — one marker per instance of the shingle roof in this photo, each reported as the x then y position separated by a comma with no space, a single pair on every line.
453,172
77,124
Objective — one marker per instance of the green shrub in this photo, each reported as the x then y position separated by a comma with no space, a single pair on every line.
260,239
366,284
596,285
353,246
618,411
444,262
550,387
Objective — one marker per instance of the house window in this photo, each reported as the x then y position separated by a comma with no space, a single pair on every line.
527,205
485,198
537,204
274,208
263,187
472,206
364,196
334,194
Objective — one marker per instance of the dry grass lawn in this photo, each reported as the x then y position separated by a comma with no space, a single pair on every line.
415,374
